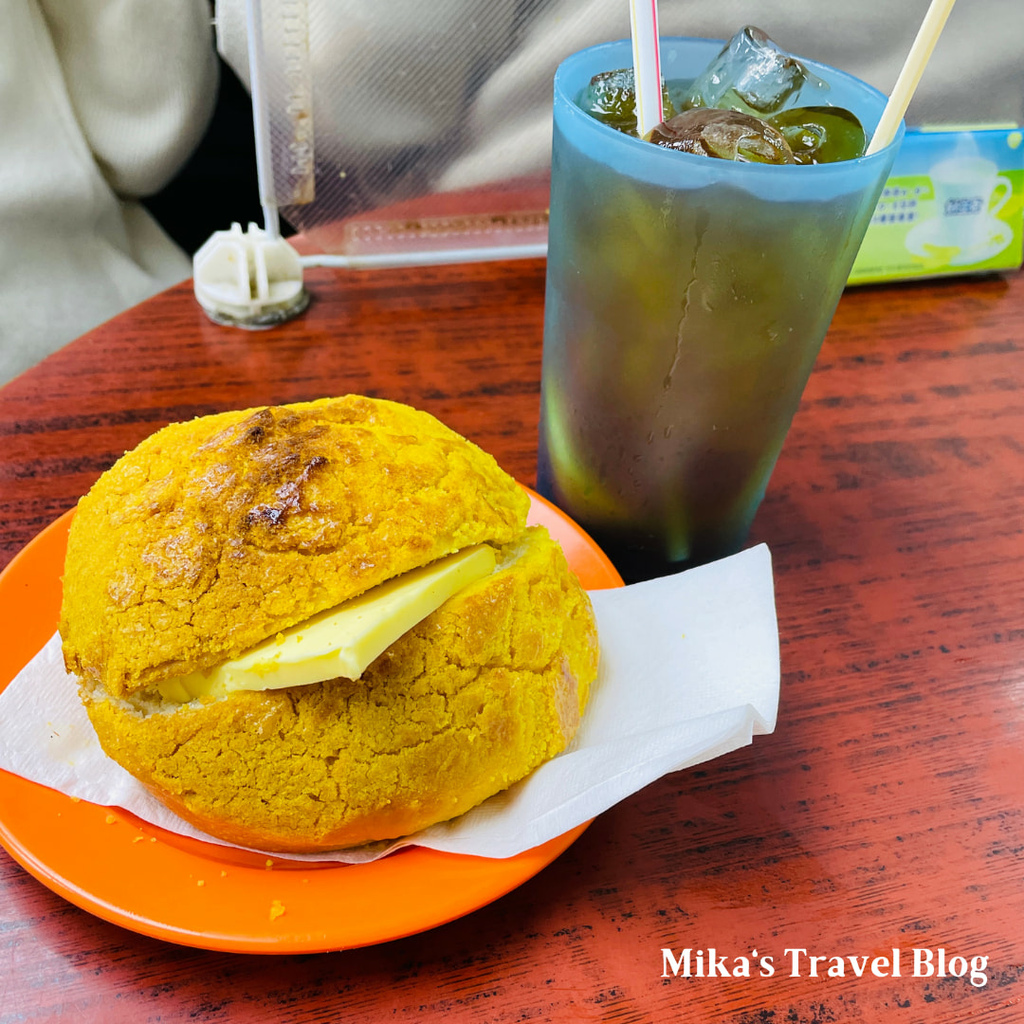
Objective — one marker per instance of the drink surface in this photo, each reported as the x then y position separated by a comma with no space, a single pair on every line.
758,94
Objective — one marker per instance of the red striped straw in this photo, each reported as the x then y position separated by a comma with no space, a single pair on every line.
643,22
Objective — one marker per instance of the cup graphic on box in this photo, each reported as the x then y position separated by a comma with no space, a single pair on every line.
969,192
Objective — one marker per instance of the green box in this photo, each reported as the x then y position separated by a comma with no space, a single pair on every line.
953,204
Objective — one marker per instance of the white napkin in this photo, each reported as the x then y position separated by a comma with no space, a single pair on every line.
689,670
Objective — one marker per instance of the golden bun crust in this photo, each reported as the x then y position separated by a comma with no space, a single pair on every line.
469,701
214,534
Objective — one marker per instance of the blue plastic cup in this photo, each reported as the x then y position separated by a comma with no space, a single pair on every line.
687,298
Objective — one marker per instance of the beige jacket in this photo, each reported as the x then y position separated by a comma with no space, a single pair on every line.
101,101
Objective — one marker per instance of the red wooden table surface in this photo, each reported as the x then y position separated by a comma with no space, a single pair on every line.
887,810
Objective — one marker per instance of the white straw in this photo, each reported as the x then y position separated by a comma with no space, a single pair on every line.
261,127
903,91
430,257
643,22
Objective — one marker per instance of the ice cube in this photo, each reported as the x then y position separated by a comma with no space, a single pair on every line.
611,98
753,75
726,134
821,135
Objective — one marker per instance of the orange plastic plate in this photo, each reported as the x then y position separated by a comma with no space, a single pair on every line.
110,863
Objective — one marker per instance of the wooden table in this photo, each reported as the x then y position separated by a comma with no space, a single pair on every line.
887,810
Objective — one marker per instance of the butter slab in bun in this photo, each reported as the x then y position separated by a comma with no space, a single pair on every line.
232,531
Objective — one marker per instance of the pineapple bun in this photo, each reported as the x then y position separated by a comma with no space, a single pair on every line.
219,535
